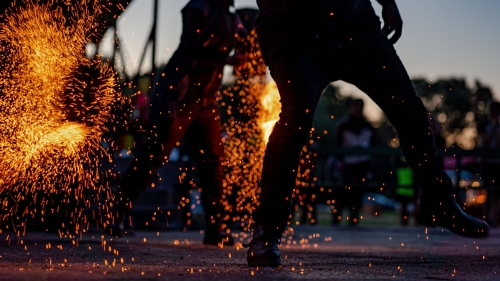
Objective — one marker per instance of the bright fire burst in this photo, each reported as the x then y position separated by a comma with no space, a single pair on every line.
270,110
54,106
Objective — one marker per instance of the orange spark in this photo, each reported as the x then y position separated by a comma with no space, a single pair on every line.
54,106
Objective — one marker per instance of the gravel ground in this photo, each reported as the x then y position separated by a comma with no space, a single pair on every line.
310,253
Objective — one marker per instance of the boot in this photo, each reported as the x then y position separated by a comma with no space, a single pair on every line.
438,207
263,249
215,235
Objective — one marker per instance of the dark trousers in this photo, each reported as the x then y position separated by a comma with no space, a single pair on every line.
201,129
351,196
358,53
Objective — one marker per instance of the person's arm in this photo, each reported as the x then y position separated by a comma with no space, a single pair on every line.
392,19
193,22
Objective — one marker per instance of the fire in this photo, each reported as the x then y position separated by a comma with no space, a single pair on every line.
54,104
270,110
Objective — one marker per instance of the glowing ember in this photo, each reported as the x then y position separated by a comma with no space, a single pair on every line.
54,104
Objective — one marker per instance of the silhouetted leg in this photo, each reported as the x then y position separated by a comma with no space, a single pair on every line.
299,72
371,63
355,206
300,76
204,137
355,176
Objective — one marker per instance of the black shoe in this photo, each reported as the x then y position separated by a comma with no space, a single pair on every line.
263,249
438,208
218,238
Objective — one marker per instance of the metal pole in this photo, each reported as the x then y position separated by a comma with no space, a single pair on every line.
153,38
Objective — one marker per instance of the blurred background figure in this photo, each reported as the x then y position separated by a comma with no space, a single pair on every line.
489,133
354,132
184,106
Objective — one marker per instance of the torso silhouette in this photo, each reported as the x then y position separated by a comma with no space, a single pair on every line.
194,73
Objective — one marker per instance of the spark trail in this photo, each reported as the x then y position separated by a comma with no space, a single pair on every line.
54,106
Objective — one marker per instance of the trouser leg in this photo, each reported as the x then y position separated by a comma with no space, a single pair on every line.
374,67
205,140
355,198
355,175
299,75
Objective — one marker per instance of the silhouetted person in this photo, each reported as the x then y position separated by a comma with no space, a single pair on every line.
308,44
354,132
184,106
490,139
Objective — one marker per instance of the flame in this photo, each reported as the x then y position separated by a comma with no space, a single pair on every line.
270,110
54,104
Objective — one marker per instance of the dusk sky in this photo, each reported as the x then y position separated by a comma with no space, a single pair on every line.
441,38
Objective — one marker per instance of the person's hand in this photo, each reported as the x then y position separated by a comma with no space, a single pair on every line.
392,21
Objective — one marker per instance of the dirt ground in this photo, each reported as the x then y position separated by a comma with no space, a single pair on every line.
310,253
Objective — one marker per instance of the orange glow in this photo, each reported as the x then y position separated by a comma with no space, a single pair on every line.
270,110
54,104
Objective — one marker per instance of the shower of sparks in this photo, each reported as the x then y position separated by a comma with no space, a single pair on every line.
258,109
253,105
54,106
